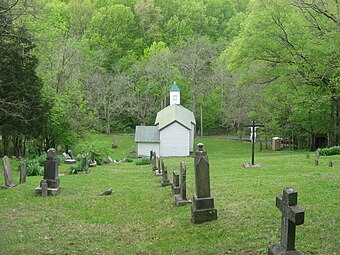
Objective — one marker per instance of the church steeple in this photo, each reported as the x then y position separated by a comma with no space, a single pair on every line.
175,94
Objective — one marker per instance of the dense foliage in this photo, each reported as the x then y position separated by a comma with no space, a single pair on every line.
106,66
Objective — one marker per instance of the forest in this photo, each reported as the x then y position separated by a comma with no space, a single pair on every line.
73,67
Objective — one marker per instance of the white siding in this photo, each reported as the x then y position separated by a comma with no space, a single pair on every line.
143,149
192,136
174,141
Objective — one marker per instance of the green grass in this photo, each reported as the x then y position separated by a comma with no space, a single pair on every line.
140,216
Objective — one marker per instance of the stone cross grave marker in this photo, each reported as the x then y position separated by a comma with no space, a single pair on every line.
23,172
181,199
7,173
50,175
202,208
175,188
292,215
165,180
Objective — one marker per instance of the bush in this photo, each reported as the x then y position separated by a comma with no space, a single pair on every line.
33,167
142,161
335,150
77,168
126,160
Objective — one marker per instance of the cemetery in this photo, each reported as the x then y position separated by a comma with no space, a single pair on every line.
146,127
122,208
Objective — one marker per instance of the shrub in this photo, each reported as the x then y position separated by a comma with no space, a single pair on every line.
126,160
335,150
142,161
77,168
33,167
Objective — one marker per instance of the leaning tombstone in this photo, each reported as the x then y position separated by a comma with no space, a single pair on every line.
165,180
181,199
50,175
175,188
202,208
23,172
292,215
7,173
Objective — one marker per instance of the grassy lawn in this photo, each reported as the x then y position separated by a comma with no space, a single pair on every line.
140,217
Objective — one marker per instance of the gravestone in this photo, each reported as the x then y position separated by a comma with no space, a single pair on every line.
165,180
150,158
202,208
175,188
330,164
181,199
23,172
93,160
50,175
70,159
158,170
114,144
154,161
7,173
44,191
84,164
292,215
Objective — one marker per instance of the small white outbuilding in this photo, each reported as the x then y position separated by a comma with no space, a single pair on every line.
173,133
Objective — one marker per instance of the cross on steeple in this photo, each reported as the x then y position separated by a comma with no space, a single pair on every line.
292,215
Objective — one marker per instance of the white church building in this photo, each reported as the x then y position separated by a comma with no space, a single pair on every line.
173,133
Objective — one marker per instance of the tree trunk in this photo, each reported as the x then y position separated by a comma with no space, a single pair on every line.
201,121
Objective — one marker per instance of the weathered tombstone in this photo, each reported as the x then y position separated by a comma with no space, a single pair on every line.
150,158
317,153
44,191
23,172
84,164
114,144
50,175
316,162
154,163
93,160
165,180
158,170
330,164
202,208
175,188
70,159
181,199
7,173
292,215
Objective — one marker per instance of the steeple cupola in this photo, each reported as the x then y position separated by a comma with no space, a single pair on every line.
175,94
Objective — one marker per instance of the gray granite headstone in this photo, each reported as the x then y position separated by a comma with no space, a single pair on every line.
175,188
181,199
7,173
292,215
202,208
23,172
154,161
50,174
150,158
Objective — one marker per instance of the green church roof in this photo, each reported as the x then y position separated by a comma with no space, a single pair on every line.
174,87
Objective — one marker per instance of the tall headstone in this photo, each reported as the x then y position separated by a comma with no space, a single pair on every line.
154,161
93,160
7,173
165,180
84,164
181,199
150,158
292,215
23,172
202,208
158,170
50,175
175,188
